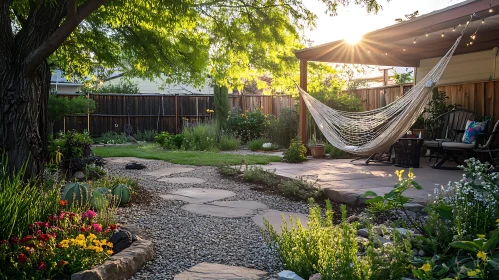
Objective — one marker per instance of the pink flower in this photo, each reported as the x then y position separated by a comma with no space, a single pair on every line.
42,266
97,227
88,214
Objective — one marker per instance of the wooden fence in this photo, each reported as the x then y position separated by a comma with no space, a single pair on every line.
481,97
117,112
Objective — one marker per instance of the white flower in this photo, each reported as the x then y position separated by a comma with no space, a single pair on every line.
267,145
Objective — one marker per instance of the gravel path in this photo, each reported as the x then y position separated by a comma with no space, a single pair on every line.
183,239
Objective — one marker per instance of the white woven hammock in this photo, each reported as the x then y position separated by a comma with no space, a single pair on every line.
368,132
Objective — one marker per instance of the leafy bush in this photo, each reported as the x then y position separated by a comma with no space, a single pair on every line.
124,87
301,189
285,127
257,144
335,152
256,174
112,137
229,171
146,135
221,105
247,126
333,250
163,139
58,247
201,137
94,172
22,204
296,152
338,100
228,143
71,151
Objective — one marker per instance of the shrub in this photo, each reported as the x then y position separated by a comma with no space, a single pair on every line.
163,139
59,107
221,105
256,174
257,144
94,172
296,152
335,152
124,87
22,204
285,127
146,135
228,143
333,250
58,247
229,171
247,126
70,151
201,137
301,189
112,137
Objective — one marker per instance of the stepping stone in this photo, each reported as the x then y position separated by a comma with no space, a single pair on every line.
274,217
126,159
226,209
198,195
213,271
182,180
167,171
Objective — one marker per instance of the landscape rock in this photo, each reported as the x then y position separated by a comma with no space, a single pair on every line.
121,240
316,276
414,207
122,265
183,180
275,218
403,231
79,176
213,271
341,196
363,232
288,275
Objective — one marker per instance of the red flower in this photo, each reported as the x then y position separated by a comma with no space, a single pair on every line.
27,238
14,240
113,227
63,263
42,266
22,258
85,229
44,237
63,202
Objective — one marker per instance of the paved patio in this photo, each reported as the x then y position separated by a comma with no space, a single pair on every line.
345,182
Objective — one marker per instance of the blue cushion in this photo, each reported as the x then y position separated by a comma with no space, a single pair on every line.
472,130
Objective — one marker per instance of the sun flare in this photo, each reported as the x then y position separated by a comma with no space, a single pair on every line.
353,38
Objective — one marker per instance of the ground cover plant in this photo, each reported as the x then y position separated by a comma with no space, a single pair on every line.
197,158
112,137
146,135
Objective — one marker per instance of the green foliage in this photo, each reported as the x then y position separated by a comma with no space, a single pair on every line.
285,127
257,144
339,100
301,189
379,207
296,152
333,250
247,125
124,87
437,106
229,171
402,78
94,172
221,105
23,203
335,152
269,147
112,137
59,107
163,139
201,137
71,151
146,135
256,174
228,143
197,158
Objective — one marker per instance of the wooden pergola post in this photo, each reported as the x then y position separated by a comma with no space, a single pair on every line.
303,107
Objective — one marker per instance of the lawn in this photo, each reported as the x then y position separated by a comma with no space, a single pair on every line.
197,158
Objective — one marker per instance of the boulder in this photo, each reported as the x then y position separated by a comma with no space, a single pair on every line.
288,275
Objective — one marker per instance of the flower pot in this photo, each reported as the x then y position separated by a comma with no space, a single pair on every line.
318,151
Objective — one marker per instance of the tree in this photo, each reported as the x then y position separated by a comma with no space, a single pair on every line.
182,39
221,105
59,107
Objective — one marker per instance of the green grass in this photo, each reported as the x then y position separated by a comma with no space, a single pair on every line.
148,151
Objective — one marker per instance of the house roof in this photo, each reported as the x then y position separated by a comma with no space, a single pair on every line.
394,45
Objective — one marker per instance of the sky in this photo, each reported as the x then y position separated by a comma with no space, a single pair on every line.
355,20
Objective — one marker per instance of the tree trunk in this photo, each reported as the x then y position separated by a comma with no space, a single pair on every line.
23,117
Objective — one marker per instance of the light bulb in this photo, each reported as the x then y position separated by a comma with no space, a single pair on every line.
443,34
468,22
454,29
427,34
414,41
491,10
386,53
471,43
404,49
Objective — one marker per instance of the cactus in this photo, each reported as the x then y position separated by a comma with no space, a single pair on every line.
100,198
78,193
122,192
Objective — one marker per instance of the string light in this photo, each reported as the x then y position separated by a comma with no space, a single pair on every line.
404,49
490,7
468,22
427,34
443,34
386,53
483,21
471,42
454,29
473,36
414,40
467,44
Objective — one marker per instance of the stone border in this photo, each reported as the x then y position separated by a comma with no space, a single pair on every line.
122,265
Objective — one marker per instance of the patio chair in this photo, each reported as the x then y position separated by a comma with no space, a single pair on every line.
447,127
486,143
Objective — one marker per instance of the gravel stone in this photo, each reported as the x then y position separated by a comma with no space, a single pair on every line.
183,239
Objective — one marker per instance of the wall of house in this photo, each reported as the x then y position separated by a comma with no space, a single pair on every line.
61,88
156,86
473,67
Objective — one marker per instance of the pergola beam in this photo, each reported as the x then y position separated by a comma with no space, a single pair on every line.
303,107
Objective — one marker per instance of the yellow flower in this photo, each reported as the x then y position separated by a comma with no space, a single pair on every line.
110,244
91,237
80,237
91,247
109,252
482,255
64,243
426,267
96,242
410,175
98,249
497,221
471,273
103,242
399,174
481,236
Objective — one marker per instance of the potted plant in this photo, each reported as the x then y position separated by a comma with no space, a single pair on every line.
316,147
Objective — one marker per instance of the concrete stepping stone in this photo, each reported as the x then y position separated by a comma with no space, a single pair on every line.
126,159
198,195
226,209
213,271
182,180
167,171
275,219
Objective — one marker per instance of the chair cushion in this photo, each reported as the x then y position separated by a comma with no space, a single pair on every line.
434,143
457,145
472,129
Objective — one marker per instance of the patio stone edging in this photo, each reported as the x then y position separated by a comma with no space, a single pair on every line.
123,265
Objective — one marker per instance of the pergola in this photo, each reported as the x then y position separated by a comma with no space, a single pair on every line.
407,43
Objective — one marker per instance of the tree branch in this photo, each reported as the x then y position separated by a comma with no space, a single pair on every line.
72,21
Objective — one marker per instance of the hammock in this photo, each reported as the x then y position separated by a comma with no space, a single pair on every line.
369,132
